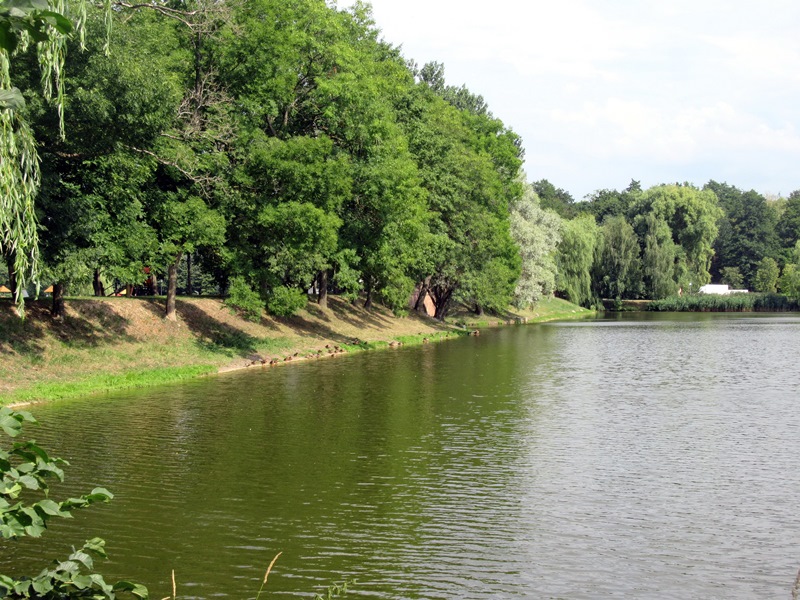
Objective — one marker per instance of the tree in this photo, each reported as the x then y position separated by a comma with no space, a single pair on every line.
574,259
766,278
556,199
468,163
732,277
659,256
537,233
91,205
185,223
788,226
19,168
316,91
617,263
746,230
603,203
691,216
789,282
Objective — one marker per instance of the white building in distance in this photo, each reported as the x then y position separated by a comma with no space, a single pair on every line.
718,289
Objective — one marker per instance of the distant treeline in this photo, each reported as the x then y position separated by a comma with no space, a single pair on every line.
671,239
263,149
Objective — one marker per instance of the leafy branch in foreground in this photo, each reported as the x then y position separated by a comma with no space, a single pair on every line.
26,469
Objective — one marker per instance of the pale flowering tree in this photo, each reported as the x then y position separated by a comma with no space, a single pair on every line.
537,232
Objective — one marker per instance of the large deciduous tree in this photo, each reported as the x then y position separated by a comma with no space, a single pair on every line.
90,206
469,164
692,217
746,230
575,257
617,268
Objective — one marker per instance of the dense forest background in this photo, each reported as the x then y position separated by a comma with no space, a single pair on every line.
265,149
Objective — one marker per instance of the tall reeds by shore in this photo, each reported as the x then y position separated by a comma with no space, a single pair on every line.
730,303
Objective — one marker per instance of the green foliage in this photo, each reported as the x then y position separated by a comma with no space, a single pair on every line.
468,163
26,471
691,216
766,278
335,590
659,256
788,226
732,277
603,203
555,199
579,238
617,264
244,299
285,301
789,283
746,230
298,240
346,276
40,22
537,233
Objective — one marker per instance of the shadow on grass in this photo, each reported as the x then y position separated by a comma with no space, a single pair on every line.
87,324
19,336
94,324
212,334
356,315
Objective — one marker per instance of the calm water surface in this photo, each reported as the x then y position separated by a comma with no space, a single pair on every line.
647,456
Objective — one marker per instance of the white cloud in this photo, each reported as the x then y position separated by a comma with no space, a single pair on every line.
679,90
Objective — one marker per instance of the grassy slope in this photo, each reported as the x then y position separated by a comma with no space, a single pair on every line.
113,343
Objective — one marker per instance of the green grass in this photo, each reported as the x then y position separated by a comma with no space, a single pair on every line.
101,383
423,338
548,309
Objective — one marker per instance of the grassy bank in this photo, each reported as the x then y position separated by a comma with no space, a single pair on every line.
115,343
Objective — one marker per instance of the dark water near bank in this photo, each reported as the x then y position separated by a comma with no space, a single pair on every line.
652,456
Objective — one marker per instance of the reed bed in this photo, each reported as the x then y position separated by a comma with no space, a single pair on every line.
730,303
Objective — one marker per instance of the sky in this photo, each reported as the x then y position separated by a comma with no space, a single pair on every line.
606,91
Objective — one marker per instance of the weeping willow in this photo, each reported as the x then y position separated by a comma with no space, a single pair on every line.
19,183
19,160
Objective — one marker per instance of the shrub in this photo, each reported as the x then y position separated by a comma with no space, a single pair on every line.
284,301
244,299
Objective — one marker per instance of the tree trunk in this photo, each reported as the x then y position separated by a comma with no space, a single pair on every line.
189,290
322,284
419,306
97,283
441,310
59,309
368,301
172,289
478,310
441,299
12,274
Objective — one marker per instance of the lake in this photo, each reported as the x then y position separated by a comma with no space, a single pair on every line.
641,455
